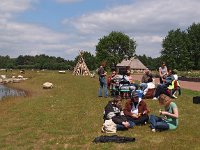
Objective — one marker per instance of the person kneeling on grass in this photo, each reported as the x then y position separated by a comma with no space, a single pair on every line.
136,109
113,110
168,119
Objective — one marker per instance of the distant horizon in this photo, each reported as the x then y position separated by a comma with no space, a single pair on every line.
60,56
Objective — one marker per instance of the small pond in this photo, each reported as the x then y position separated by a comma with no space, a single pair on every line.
6,91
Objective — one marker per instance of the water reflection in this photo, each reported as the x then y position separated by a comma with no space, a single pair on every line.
5,91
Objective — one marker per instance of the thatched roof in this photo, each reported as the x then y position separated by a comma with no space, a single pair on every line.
133,63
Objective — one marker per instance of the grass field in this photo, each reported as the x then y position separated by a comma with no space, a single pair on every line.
69,116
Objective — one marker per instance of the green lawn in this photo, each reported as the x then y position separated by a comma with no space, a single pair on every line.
69,116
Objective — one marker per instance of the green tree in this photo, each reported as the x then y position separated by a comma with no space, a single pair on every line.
194,44
6,62
20,60
151,63
175,50
70,64
144,59
112,48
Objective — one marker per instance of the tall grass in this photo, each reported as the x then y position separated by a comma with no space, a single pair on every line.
69,116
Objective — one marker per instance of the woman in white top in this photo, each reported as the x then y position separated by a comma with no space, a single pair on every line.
163,72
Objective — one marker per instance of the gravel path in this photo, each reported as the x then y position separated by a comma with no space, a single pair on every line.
195,86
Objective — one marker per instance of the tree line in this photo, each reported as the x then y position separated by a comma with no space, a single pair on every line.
36,62
180,51
54,63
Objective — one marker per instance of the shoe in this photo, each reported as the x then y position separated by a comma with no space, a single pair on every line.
155,98
174,96
153,130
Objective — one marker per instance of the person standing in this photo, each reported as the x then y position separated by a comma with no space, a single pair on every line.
111,83
102,81
163,72
168,119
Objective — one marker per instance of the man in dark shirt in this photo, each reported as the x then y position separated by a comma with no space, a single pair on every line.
102,81
146,78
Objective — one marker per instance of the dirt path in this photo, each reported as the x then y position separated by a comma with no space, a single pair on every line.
195,86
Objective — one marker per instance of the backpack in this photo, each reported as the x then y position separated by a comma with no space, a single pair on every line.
109,127
196,100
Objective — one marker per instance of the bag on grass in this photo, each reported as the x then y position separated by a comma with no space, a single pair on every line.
109,127
196,100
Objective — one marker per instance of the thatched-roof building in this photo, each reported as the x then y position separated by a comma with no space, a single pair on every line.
133,64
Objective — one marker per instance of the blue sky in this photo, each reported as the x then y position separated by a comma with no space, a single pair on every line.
51,13
63,27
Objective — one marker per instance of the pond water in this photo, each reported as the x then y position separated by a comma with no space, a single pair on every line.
6,91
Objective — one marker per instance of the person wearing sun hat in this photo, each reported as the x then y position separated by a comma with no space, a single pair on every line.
136,109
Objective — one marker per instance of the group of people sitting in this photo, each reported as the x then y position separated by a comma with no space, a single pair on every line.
136,112
121,84
169,84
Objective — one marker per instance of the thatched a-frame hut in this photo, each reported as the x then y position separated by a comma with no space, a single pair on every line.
133,64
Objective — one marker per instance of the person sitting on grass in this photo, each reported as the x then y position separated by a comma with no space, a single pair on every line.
113,110
168,119
175,85
160,89
146,78
169,87
136,109
132,83
131,80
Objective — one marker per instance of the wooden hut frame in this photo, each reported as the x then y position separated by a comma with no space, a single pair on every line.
81,67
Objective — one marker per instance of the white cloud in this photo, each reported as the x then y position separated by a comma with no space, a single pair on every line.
8,8
144,19
141,16
18,38
148,22
152,39
15,5
30,39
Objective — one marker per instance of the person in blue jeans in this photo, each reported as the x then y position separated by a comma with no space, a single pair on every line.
146,78
102,82
113,110
168,119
